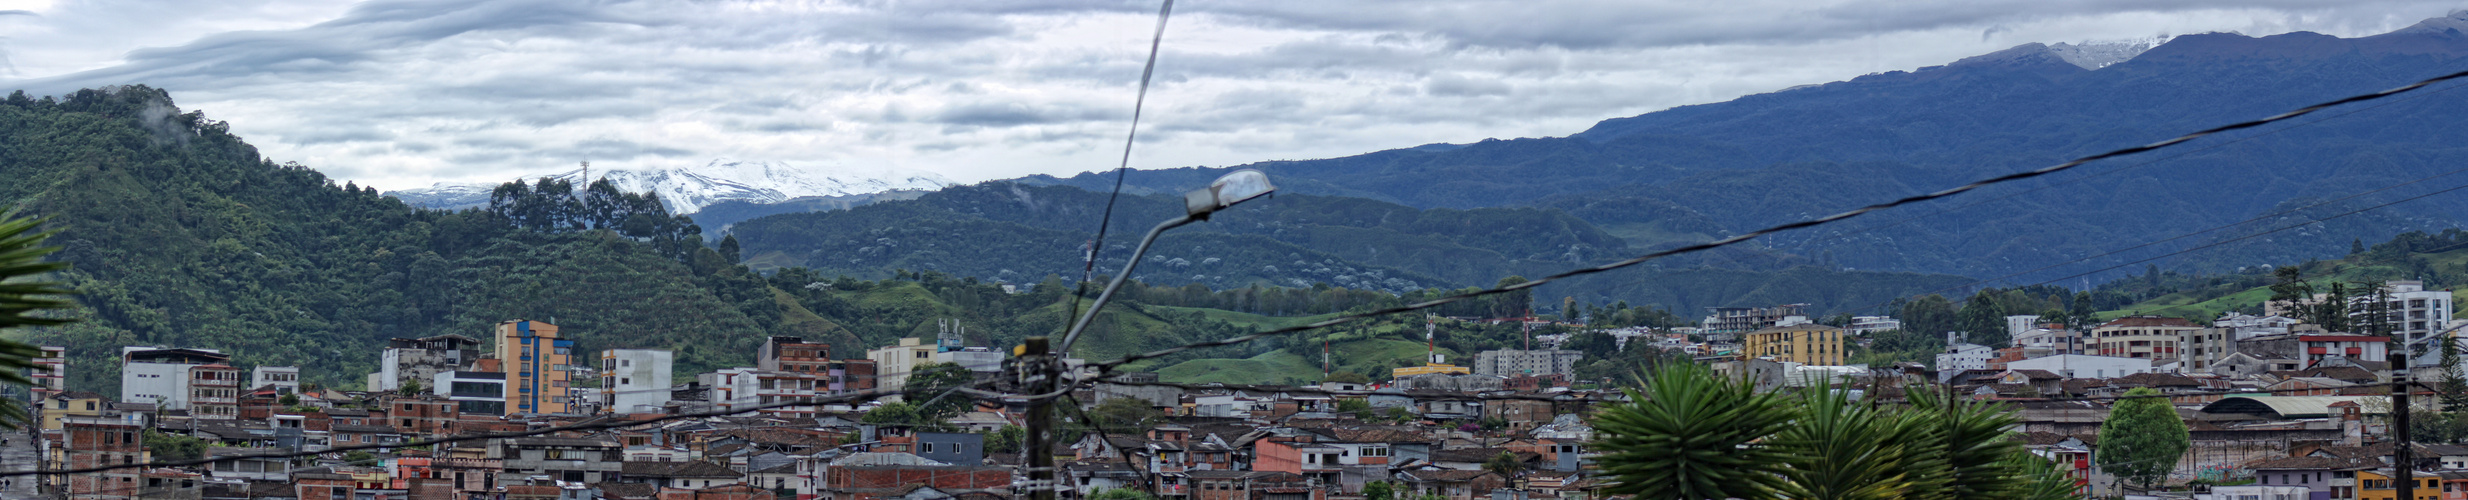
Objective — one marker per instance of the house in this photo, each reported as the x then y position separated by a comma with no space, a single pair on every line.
577,460
690,475
868,476
1237,484
1451,484
2318,475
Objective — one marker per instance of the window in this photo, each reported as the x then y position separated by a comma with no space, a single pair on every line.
929,447
921,354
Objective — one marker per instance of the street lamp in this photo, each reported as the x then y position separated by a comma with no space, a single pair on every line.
1235,187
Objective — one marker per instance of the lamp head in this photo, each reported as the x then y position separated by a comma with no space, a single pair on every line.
1235,187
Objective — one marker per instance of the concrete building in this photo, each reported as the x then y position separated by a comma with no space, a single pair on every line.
1510,362
214,392
537,364
473,392
635,380
2016,324
975,359
2141,337
794,354
576,460
2051,339
2409,313
1863,325
958,448
51,371
1962,356
893,364
2082,366
161,375
1808,344
735,388
1748,319
97,441
2322,347
421,359
284,379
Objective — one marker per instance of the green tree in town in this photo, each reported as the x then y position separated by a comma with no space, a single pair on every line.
1006,439
932,387
25,300
2143,438
899,413
1505,464
172,447
1379,490
1121,494
359,458
1120,414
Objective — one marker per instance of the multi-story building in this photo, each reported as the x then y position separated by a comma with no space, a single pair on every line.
2016,324
2051,339
421,359
975,359
2321,347
2083,366
2409,313
214,392
1511,362
1748,319
99,441
2141,337
284,379
2203,346
1807,344
536,363
636,380
576,460
736,388
423,415
795,355
1962,356
893,364
161,375
51,371
473,392
1863,325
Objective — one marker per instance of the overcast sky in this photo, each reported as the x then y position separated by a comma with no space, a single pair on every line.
402,94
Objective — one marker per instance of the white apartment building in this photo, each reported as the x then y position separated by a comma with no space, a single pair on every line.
742,387
893,364
2084,366
1514,362
635,380
1962,356
161,375
2413,315
2016,324
284,379
1863,325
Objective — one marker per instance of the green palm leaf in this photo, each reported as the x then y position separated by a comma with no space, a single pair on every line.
24,295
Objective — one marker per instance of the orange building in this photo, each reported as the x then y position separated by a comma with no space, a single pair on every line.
536,363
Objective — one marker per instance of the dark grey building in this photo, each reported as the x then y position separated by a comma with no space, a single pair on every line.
956,448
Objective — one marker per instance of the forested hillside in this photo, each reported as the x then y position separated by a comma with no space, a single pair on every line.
1019,233
1697,172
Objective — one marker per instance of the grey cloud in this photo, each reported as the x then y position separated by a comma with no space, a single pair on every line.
1014,114
1460,86
339,135
617,149
19,13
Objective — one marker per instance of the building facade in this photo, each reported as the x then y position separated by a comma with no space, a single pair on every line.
1808,344
473,392
421,359
893,364
1747,319
161,375
2142,337
284,379
214,392
537,366
635,380
98,441
2407,312
1539,362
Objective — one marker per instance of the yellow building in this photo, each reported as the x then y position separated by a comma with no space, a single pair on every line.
2376,485
1809,344
71,404
536,364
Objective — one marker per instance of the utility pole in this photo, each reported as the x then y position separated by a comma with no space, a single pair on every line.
1037,372
2405,478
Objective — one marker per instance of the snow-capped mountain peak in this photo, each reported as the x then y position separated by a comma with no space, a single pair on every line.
689,189
2100,54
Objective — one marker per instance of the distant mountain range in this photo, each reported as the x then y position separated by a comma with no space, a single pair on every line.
689,189
1698,172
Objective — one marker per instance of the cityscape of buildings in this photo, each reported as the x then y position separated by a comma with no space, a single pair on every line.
2269,396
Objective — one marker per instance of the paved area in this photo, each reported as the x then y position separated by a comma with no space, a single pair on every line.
18,455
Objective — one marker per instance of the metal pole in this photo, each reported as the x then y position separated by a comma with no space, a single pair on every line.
1125,275
1039,370
2405,475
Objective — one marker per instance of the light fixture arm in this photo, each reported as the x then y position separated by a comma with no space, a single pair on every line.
1119,278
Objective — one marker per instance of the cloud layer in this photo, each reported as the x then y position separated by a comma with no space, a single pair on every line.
401,94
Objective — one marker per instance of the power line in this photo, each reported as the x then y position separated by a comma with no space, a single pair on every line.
1088,268
1698,247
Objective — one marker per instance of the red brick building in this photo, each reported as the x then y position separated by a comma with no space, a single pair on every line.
99,441
866,482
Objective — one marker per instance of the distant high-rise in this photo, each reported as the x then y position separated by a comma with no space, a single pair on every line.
535,361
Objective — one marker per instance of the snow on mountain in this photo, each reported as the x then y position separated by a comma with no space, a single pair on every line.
689,189
2096,55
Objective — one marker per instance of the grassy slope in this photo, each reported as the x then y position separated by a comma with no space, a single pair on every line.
1369,357
2192,306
